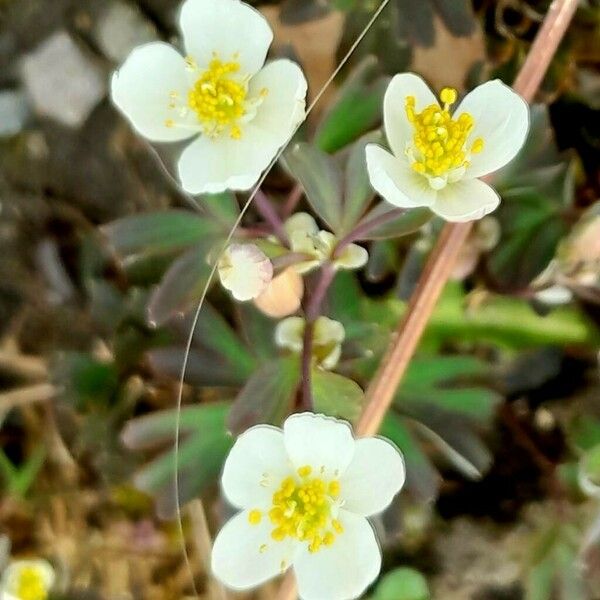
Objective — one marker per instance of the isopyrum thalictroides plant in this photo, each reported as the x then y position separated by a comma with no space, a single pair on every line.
287,339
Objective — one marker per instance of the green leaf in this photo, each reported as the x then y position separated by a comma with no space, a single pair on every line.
321,179
406,223
159,232
18,480
427,385
203,448
357,109
88,382
402,584
358,192
181,287
336,395
422,480
267,396
224,207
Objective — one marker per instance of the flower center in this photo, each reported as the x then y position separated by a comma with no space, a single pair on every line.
30,585
440,142
219,98
304,508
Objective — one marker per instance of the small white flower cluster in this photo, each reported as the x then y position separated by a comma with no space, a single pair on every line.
247,273
328,336
27,580
304,493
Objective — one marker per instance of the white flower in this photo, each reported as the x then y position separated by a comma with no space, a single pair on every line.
27,580
438,155
304,494
239,112
306,238
245,271
328,336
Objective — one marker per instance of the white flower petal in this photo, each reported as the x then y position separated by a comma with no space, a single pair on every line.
501,120
398,128
375,475
333,358
255,467
289,333
323,443
466,200
141,89
343,570
215,165
301,222
237,559
328,331
352,257
396,181
283,107
245,271
283,296
232,29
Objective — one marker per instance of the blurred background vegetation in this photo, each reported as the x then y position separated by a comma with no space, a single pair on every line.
103,259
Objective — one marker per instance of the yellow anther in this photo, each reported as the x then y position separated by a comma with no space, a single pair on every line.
477,146
302,509
220,98
339,528
439,140
305,471
254,517
448,96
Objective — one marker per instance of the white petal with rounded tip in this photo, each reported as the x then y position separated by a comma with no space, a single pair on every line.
245,271
395,180
398,129
501,119
327,330
283,107
343,570
375,475
141,89
301,222
255,467
289,332
215,165
466,200
232,29
352,257
323,443
237,560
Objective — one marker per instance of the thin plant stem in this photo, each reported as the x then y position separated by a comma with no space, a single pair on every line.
311,313
265,207
441,262
292,201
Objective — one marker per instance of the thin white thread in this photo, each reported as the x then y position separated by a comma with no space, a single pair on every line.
237,223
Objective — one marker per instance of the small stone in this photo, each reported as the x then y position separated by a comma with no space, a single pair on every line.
62,82
13,112
121,27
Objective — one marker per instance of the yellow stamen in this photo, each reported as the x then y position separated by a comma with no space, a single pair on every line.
302,510
439,140
220,98
254,517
